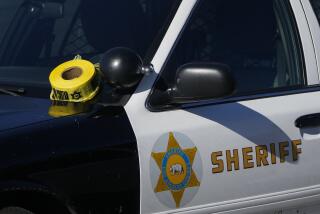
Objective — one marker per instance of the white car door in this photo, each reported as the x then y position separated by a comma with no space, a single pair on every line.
252,152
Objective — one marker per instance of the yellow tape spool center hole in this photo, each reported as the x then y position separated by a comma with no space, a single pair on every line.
72,73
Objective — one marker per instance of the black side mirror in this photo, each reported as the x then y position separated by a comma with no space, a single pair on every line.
201,81
122,68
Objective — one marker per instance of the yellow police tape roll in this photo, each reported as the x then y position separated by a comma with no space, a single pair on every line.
74,81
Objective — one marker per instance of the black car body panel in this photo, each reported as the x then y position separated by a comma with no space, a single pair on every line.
85,160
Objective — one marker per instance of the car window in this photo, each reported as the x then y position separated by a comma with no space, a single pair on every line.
45,33
7,9
256,39
316,7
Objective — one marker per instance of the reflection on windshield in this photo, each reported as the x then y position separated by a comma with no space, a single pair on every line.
62,109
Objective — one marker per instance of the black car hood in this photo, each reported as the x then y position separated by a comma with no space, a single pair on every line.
22,111
60,152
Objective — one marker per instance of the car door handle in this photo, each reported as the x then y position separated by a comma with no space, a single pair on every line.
311,120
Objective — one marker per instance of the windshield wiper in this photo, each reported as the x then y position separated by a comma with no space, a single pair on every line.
12,91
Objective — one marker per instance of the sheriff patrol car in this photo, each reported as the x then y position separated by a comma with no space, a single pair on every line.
158,106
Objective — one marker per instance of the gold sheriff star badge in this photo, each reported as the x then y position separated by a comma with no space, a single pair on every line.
176,170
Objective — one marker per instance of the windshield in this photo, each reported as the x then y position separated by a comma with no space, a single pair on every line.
38,35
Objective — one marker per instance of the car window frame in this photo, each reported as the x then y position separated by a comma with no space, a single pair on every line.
272,92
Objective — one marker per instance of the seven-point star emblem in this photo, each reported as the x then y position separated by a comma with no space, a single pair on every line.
175,165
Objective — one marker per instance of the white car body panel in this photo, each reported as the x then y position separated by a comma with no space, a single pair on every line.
282,188
309,47
314,28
